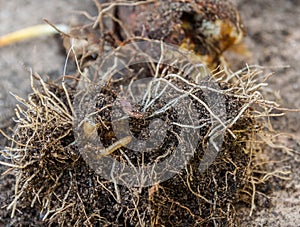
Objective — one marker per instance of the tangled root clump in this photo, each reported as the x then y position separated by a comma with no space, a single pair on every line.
56,185
53,178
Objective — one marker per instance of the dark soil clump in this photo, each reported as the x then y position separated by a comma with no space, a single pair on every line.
149,143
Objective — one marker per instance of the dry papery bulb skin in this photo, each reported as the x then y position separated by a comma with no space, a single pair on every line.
55,185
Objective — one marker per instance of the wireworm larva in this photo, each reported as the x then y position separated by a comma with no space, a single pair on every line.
109,150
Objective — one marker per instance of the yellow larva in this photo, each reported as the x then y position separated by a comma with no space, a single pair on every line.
90,131
109,150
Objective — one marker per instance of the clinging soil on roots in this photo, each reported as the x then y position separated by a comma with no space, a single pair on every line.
133,139
61,187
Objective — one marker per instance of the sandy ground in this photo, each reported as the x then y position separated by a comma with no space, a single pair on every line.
273,38
42,55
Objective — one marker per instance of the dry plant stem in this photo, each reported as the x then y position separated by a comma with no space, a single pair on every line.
31,32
